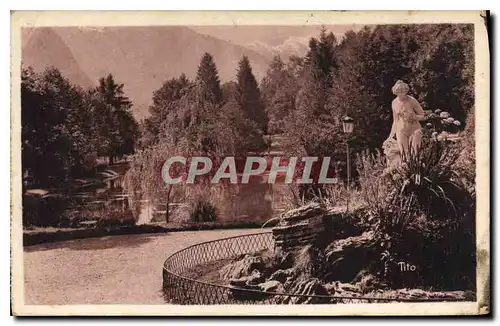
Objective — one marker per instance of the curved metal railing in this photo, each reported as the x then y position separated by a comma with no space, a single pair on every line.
179,288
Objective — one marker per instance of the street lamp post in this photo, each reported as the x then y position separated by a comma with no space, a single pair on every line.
348,127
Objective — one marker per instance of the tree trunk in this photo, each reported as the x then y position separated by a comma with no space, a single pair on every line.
167,213
167,209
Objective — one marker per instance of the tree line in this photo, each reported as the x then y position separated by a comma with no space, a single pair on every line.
303,98
65,128
306,97
205,115
354,76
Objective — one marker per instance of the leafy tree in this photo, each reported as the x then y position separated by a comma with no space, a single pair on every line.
244,134
144,180
371,66
37,124
55,127
165,101
296,66
310,128
352,95
186,111
274,74
165,97
197,121
445,69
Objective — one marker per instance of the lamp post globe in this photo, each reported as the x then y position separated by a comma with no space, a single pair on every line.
348,124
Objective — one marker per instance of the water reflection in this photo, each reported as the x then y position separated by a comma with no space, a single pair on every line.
255,201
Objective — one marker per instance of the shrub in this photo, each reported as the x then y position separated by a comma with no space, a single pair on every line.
374,185
395,218
423,214
466,163
443,252
430,176
429,220
203,211
43,210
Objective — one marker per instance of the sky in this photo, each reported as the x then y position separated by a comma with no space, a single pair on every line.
272,35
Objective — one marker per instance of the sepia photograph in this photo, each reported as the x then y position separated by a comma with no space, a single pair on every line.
329,160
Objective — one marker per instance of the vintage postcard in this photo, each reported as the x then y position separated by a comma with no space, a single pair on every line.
250,163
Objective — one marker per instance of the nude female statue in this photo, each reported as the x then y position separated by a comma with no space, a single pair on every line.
407,114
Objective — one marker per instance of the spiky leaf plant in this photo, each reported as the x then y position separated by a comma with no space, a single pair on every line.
430,176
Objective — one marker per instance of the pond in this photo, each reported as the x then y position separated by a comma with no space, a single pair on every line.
255,201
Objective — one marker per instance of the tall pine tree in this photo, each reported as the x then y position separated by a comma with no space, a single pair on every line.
321,56
208,82
248,94
312,124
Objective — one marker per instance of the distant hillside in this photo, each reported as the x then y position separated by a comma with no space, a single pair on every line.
43,48
141,57
297,46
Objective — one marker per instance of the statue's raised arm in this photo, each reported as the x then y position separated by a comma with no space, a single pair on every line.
420,113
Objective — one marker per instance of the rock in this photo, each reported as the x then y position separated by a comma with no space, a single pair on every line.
345,258
242,267
289,282
284,260
346,287
255,278
339,224
364,240
311,286
367,282
238,282
300,227
281,275
241,284
271,286
285,227
251,282
303,213
241,293
309,262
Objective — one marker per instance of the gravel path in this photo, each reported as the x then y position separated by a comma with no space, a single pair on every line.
109,270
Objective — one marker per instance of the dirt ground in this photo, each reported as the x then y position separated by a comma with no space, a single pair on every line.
109,270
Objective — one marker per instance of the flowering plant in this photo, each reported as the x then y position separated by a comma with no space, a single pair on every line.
441,123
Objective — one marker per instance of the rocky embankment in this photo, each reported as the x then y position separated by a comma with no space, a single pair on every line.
315,256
